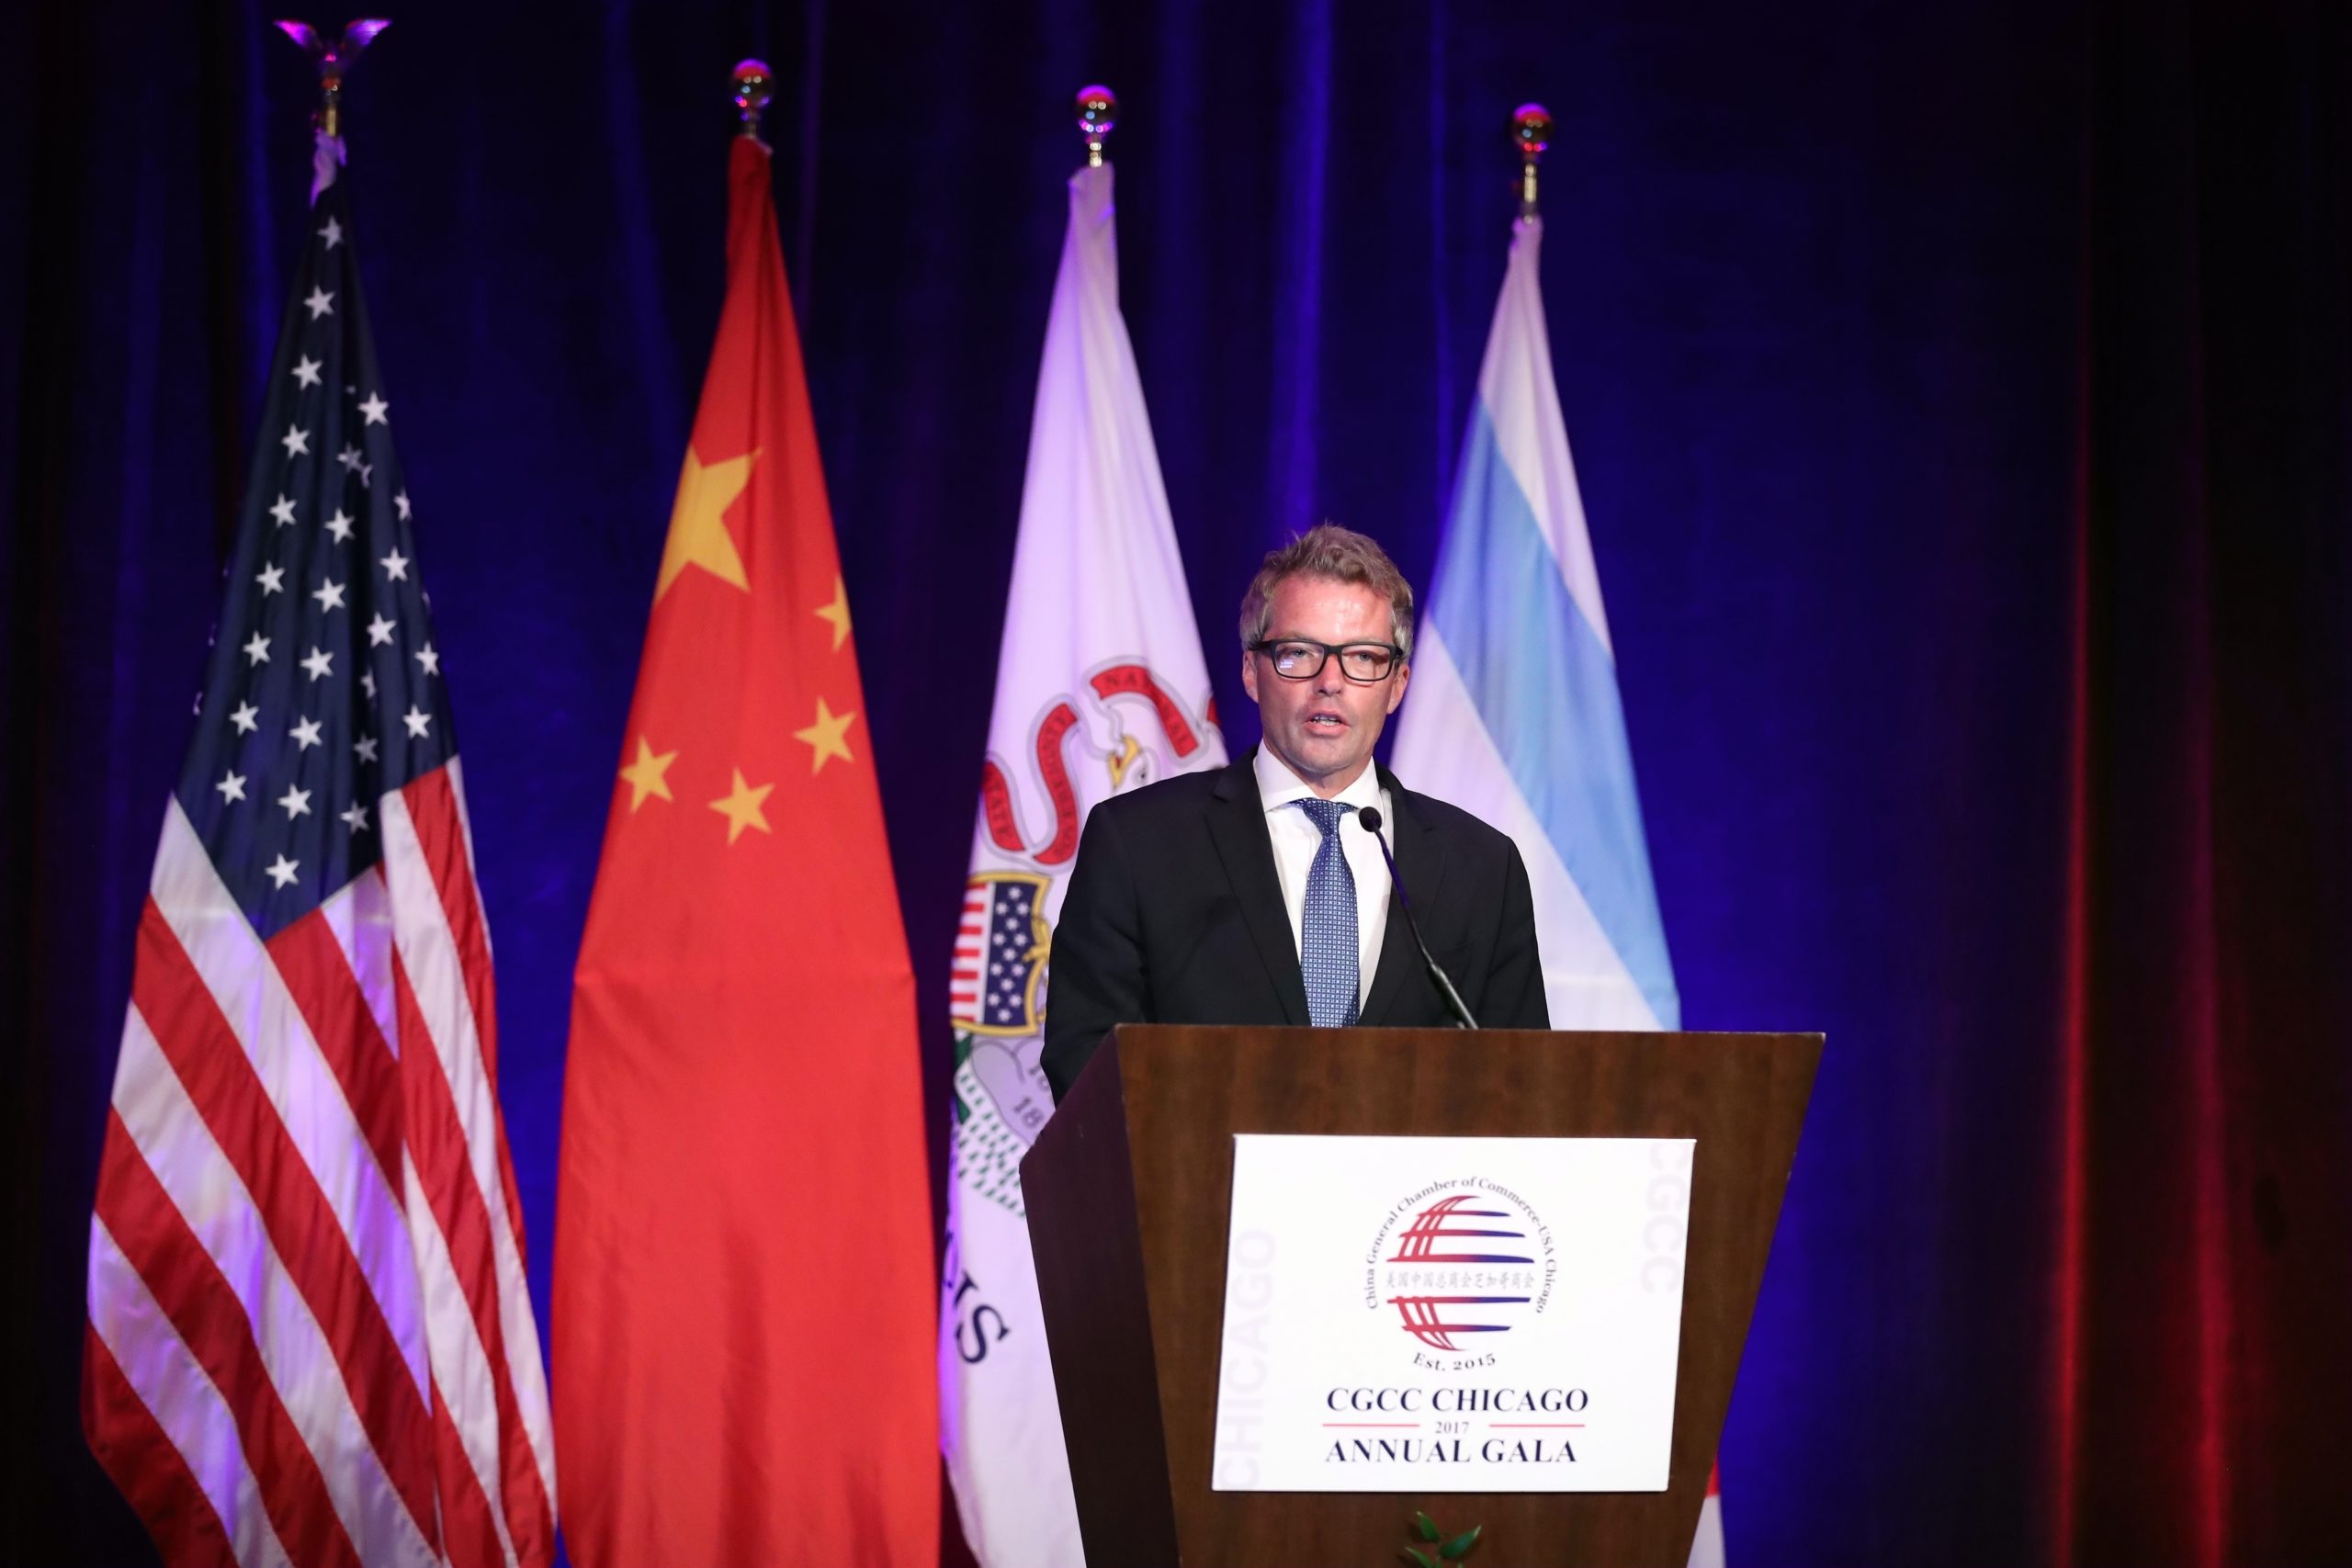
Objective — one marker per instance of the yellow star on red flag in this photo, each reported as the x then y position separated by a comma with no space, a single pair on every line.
646,777
741,807
827,736
699,535
837,612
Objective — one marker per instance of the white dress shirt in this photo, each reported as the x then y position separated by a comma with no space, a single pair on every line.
1296,839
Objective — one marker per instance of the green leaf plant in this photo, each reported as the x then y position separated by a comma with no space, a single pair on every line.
1447,1549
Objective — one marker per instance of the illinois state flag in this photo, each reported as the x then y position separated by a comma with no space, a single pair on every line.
742,1267
1100,689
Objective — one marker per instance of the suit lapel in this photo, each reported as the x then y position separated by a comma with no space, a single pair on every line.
1420,868
1238,827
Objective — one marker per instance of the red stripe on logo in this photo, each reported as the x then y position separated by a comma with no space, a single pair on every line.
996,808
1135,681
211,1066
147,1469
1055,772
188,1285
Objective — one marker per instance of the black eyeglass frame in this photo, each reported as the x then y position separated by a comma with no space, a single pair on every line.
1267,645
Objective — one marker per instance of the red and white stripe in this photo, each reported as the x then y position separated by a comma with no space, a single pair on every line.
971,953
1707,1545
309,1338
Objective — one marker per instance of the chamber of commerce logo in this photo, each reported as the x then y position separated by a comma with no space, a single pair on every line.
1458,1261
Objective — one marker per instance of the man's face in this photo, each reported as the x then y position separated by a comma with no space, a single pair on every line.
1324,727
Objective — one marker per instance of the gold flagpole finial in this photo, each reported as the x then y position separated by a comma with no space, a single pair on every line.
333,58
755,86
1098,114
1531,132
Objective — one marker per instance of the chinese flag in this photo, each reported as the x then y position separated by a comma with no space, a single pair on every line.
743,1297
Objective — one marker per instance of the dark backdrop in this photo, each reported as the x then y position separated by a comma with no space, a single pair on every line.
1963,398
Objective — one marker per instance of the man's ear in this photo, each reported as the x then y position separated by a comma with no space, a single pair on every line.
1397,693
1249,675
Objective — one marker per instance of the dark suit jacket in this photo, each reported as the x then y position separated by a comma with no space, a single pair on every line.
1174,915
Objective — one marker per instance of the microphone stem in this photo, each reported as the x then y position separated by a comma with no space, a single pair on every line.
1444,982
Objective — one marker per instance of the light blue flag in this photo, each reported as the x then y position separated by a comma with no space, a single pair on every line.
1514,712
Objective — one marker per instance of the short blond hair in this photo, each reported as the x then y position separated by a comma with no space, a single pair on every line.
1338,555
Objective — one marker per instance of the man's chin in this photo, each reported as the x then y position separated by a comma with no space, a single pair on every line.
1319,757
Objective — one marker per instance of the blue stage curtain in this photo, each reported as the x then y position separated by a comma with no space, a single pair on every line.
1962,396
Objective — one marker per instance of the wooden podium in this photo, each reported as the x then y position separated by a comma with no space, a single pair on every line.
1130,1184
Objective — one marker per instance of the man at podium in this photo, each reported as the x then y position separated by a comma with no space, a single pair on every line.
1257,894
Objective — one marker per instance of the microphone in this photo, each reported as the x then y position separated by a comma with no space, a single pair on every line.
1370,817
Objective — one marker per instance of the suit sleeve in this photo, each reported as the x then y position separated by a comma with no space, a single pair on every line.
1096,977
1514,998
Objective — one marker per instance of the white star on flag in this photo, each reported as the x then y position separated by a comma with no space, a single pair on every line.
231,787
283,512
376,408
258,649
340,527
321,303
348,456
319,664
379,632
297,441
368,680
271,578
428,660
417,720
306,370
245,718
296,801
305,735
396,565
357,818
330,596
399,504
366,748
282,871
332,233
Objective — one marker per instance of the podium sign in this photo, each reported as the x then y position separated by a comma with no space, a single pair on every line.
1428,1314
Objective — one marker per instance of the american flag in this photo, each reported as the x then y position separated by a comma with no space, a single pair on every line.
309,1340
997,986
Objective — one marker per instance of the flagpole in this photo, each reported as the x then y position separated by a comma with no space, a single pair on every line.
1097,116
332,57
1531,131
754,87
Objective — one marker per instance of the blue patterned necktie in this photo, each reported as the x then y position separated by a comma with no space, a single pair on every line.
1328,948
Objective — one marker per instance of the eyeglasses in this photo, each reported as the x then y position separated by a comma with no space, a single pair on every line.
1365,663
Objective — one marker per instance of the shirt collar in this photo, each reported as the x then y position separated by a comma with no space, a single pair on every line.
1279,787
